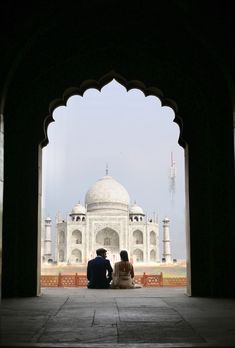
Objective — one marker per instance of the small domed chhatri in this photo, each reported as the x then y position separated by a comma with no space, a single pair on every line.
78,209
136,210
108,221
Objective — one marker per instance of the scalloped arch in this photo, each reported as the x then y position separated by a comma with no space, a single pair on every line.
107,78
108,229
76,233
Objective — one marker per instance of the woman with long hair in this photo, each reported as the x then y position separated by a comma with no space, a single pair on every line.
123,275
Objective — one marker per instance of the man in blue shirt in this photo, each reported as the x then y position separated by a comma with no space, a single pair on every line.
99,271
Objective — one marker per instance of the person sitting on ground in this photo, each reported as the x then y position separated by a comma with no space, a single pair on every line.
123,275
99,271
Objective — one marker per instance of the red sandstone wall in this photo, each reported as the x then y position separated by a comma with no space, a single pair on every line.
175,282
81,281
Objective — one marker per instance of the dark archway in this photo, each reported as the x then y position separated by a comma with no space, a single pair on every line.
53,59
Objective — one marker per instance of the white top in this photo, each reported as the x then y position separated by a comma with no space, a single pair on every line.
78,209
107,193
136,210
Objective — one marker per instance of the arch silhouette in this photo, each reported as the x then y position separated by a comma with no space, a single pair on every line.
99,84
203,90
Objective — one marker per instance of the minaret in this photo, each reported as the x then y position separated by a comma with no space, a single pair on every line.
172,178
166,241
47,240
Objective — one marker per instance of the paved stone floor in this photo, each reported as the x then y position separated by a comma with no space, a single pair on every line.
152,317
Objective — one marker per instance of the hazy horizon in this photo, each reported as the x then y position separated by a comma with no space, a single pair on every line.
131,133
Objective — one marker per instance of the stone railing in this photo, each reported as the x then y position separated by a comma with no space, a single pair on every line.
175,282
80,280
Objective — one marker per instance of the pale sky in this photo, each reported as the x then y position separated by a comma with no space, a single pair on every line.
135,135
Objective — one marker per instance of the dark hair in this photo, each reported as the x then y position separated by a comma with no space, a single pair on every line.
100,251
124,255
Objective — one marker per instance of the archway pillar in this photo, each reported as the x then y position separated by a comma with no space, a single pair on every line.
1,190
210,193
22,216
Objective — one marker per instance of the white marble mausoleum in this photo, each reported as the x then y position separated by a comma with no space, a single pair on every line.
107,220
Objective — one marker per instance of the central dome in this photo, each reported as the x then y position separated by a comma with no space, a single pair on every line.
107,193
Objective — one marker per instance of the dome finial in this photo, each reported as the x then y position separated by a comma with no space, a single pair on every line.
107,169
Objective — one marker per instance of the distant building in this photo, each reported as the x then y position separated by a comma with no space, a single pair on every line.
108,221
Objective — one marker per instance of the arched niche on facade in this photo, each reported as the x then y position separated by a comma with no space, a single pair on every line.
138,256
108,237
76,256
152,255
138,237
153,239
61,237
61,255
77,237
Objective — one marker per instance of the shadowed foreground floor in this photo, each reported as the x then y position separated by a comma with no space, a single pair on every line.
146,317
